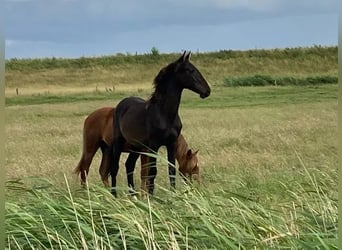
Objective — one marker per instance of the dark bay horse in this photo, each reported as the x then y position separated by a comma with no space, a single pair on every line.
148,125
98,133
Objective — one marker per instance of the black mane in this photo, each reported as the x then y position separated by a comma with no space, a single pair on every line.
160,82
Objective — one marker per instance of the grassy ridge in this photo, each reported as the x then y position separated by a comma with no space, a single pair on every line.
107,61
114,70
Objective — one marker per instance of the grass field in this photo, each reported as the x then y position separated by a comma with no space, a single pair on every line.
268,158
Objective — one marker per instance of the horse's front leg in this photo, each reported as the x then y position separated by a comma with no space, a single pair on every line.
171,152
152,172
114,166
130,165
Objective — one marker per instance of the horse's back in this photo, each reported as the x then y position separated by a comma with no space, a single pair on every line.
130,107
98,125
130,117
129,102
100,115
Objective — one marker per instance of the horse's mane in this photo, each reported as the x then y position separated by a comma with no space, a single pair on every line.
160,83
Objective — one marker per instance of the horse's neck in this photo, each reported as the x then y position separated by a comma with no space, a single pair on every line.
168,102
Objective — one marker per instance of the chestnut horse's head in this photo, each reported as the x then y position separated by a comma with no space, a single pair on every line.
189,168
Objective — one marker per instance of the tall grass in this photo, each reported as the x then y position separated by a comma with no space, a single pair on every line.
48,217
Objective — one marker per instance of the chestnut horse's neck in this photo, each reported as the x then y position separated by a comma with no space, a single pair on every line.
182,148
166,98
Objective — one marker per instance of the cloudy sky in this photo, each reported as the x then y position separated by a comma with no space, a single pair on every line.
74,28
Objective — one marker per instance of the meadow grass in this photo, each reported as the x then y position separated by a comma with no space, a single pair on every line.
268,163
268,155
224,97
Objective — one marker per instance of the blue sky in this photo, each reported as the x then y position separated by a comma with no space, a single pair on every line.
74,28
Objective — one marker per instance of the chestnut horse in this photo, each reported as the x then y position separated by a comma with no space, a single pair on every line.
98,133
144,125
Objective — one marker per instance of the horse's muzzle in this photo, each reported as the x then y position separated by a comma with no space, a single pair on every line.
206,94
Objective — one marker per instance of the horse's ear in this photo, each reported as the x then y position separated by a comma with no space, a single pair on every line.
187,57
196,152
183,57
189,153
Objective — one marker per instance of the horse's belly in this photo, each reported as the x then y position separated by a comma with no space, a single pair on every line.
132,125
135,139
166,137
134,135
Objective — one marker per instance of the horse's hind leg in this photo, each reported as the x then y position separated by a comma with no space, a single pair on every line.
130,165
85,161
171,149
105,163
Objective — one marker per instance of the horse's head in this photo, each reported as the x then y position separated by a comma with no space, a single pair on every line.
190,77
190,169
183,73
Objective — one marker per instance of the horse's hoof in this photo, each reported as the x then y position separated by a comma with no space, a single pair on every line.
134,197
143,195
106,184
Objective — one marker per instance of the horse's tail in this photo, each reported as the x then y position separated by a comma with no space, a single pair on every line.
79,167
105,173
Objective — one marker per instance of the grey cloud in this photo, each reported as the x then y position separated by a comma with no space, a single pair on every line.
85,21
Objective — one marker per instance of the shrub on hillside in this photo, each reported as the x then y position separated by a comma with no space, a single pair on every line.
264,80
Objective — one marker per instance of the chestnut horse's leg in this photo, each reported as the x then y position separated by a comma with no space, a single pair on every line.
144,173
130,165
105,164
171,150
85,161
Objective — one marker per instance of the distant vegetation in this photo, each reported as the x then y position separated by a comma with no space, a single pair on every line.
263,80
104,61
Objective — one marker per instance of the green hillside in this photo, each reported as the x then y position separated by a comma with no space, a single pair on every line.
217,67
